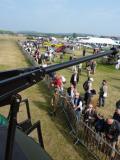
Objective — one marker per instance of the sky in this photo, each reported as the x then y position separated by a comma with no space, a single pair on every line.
101,17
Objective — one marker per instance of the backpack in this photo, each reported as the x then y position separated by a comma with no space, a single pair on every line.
85,85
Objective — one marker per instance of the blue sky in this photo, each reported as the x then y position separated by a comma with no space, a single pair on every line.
100,17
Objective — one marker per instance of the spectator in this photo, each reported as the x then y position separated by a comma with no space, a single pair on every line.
79,66
71,92
88,90
94,51
61,57
88,68
116,115
117,66
84,52
77,105
74,79
70,58
58,83
54,101
93,67
112,131
63,79
87,86
100,124
103,93
90,115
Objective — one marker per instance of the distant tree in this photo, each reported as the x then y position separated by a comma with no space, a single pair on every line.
29,37
6,32
74,35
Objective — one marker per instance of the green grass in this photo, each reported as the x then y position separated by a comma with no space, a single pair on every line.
4,67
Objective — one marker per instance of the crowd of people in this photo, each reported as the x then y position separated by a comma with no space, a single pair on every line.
84,106
85,109
33,49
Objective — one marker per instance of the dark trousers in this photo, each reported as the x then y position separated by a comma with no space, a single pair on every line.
87,98
101,100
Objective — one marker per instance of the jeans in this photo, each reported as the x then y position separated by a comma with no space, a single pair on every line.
101,101
77,115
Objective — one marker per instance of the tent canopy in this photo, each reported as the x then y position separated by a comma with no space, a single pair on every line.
96,40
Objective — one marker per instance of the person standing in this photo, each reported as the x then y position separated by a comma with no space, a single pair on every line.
84,52
116,115
112,132
87,86
77,105
103,93
79,68
88,69
61,57
117,66
54,102
71,92
74,79
93,66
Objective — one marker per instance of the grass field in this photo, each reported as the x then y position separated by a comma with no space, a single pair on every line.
57,141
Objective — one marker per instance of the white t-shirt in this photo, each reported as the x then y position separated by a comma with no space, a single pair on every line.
75,78
63,79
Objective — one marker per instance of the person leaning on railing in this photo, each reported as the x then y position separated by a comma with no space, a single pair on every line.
116,115
112,132
77,105
57,82
70,94
90,115
54,101
100,124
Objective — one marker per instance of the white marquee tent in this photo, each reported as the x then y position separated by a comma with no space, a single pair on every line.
95,40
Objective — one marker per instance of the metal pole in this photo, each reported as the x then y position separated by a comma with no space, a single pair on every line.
14,108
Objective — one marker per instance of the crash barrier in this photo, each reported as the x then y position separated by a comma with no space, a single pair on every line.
82,133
